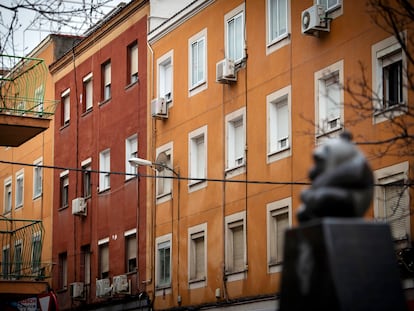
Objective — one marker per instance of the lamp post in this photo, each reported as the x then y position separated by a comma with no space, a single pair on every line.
160,165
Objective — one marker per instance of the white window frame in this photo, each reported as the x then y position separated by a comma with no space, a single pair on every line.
162,288
107,80
387,49
64,184
105,167
274,209
388,175
8,200
325,125
19,196
131,151
238,12
133,62
332,8
194,233
37,178
129,235
39,99
197,63
65,100
36,251
276,42
235,162
231,222
103,244
88,91
197,167
164,186
165,77
276,149
86,182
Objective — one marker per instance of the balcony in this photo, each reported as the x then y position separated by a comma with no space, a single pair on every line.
22,272
24,112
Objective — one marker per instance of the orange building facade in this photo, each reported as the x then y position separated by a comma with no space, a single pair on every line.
241,94
26,188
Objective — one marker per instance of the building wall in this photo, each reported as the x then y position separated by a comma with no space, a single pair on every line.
38,150
292,64
112,213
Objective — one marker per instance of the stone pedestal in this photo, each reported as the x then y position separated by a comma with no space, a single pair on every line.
340,264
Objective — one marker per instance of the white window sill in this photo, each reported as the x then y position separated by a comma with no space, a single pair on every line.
195,185
277,155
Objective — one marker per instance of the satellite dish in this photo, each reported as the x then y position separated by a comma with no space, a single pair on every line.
162,159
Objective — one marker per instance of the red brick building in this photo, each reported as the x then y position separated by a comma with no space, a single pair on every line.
99,218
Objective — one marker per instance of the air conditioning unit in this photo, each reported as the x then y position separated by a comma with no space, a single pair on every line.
121,284
159,108
79,206
314,20
225,71
103,288
76,290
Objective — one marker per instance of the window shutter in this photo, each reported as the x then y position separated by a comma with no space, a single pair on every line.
397,211
104,258
134,59
238,248
131,247
282,120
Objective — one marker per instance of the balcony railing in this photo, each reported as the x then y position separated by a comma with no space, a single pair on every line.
22,87
21,243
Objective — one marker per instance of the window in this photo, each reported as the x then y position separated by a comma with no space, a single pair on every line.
165,74
133,63
64,189
235,239
103,247
104,168
39,97
131,250
164,177
330,5
37,178
106,78
87,94
131,151
277,20
36,251
5,262
197,65
198,155
197,255
163,261
391,201
86,263
235,138
389,78
278,220
19,188
65,101
278,124
17,259
329,98
86,178
235,34
63,271
7,195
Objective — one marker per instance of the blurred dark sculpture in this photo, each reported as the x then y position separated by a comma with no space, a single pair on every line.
342,182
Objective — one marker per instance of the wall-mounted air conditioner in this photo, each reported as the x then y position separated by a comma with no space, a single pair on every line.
159,108
314,20
76,290
225,71
103,288
121,284
79,206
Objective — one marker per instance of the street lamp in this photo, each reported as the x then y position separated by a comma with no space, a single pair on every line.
159,165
